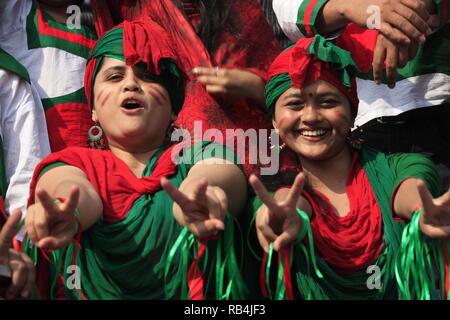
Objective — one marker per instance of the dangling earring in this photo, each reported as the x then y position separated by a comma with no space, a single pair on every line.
279,147
95,140
355,142
169,132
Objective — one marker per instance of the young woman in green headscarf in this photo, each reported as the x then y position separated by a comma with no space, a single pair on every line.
350,203
101,223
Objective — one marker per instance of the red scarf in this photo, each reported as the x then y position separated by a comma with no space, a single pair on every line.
117,186
238,46
353,242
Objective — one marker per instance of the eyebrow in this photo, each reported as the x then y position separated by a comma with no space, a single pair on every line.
114,68
324,94
293,95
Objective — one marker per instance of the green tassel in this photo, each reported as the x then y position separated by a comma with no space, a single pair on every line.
418,259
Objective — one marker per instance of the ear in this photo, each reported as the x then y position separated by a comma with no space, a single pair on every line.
274,124
94,116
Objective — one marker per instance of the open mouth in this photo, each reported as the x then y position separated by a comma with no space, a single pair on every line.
131,104
315,133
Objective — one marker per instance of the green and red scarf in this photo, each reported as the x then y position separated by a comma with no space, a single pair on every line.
140,42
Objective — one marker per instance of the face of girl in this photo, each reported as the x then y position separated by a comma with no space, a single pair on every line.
314,121
133,111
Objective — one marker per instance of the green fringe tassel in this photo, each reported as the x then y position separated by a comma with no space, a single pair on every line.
229,283
420,262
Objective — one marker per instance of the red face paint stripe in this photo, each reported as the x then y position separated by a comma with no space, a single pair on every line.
106,99
45,29
157,95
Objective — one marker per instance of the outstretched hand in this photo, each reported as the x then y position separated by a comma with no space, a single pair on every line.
395,55
435,218
401,21
231,83
278,222
52,225
201,208
19,266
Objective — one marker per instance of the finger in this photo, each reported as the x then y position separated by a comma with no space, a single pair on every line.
55,242
441,232
29,224
282,240
265,236
444,199
419,7
71,204
210,80
31,276
418,15
296,190
205,71
19,274
391,65
394,34
8,232
425,197
215,210
262,193
181,199
206,228
414,27
403,56
199,193
223,201
378,60
47,202
217,90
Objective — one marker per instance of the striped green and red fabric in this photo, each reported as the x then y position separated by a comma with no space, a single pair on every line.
68,116
137,250
307,15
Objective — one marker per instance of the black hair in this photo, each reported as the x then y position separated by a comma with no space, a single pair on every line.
215,17
87,16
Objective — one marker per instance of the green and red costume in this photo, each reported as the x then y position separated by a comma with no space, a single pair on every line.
340,254
137,250
54,55
238,45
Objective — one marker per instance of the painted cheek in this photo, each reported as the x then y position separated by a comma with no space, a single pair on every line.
103,97
157,94
281,125
341,115
108,95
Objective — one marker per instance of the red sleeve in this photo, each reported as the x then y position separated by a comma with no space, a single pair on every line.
111,178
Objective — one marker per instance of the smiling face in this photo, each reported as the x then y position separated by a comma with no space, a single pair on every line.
133,111
314,121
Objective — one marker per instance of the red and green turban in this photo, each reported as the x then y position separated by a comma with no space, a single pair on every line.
141,42
309,60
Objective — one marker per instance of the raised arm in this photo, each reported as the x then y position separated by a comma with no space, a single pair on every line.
435,219
400,20
51,224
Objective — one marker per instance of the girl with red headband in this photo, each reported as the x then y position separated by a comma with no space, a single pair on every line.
105,214
356,223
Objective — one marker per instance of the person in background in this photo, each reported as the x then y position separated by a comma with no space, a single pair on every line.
23,136
52,39
352,208
117,203
404,108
